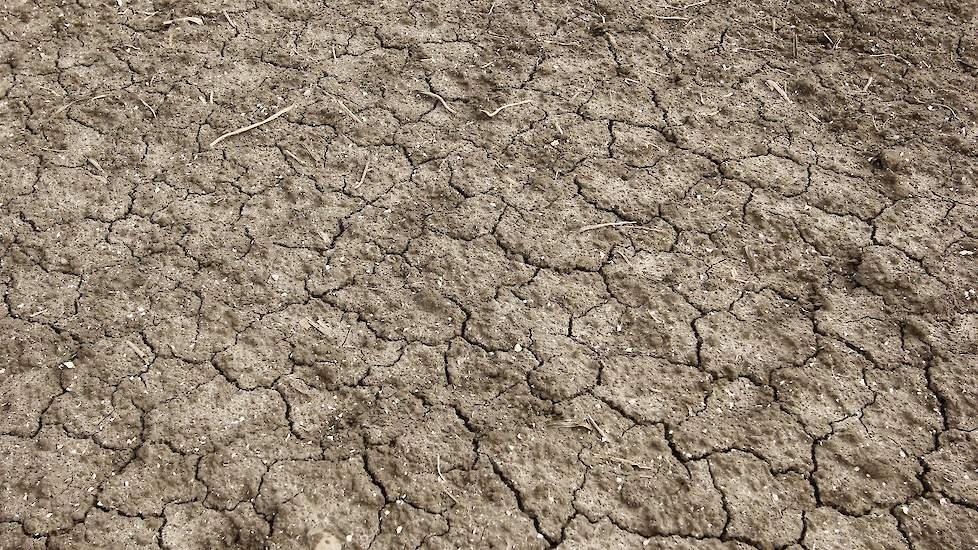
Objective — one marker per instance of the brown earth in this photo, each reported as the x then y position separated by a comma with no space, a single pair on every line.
392,317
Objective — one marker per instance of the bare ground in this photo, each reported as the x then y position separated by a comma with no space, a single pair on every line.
506,275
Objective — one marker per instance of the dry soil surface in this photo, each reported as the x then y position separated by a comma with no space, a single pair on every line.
502,274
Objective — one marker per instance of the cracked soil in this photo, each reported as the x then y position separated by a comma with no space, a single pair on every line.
586,274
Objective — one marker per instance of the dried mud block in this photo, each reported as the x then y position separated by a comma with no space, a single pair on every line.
586,535
575,292
859,470
163,379
194,527
552,238
404,313
331,348
470,218
902,283
905,409
786,176
103,529
541,465
578,140
766,509
641,486
59,476
479,377
231,476
760,333
862,321
842,195
566,368
315,499
705,285
404,526
829,529
90,407
772,249
813,240
64,194
826,389
954,379
259,356
43,296
420,369
13,536
638,146
74,248
212,416
457,268
155,477
953,467
918,227
417,458
487,514
652,390
938,524
294,214
611,184
30,357
710,205
582,534
661,327
739,415
957,268
319,414
499,324
626,105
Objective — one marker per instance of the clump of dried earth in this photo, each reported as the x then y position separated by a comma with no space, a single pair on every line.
507,275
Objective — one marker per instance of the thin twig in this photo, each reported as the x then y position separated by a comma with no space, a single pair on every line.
506,106
775,87
893,55
228,17
604,436
363,175
348,111
253,126
66,106
600,225
194,20
291,155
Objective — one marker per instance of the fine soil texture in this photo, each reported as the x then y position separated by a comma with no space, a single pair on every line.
489,274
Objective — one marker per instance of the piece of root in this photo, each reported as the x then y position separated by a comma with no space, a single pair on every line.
600,225
440,99
194,20
506,106
252,126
